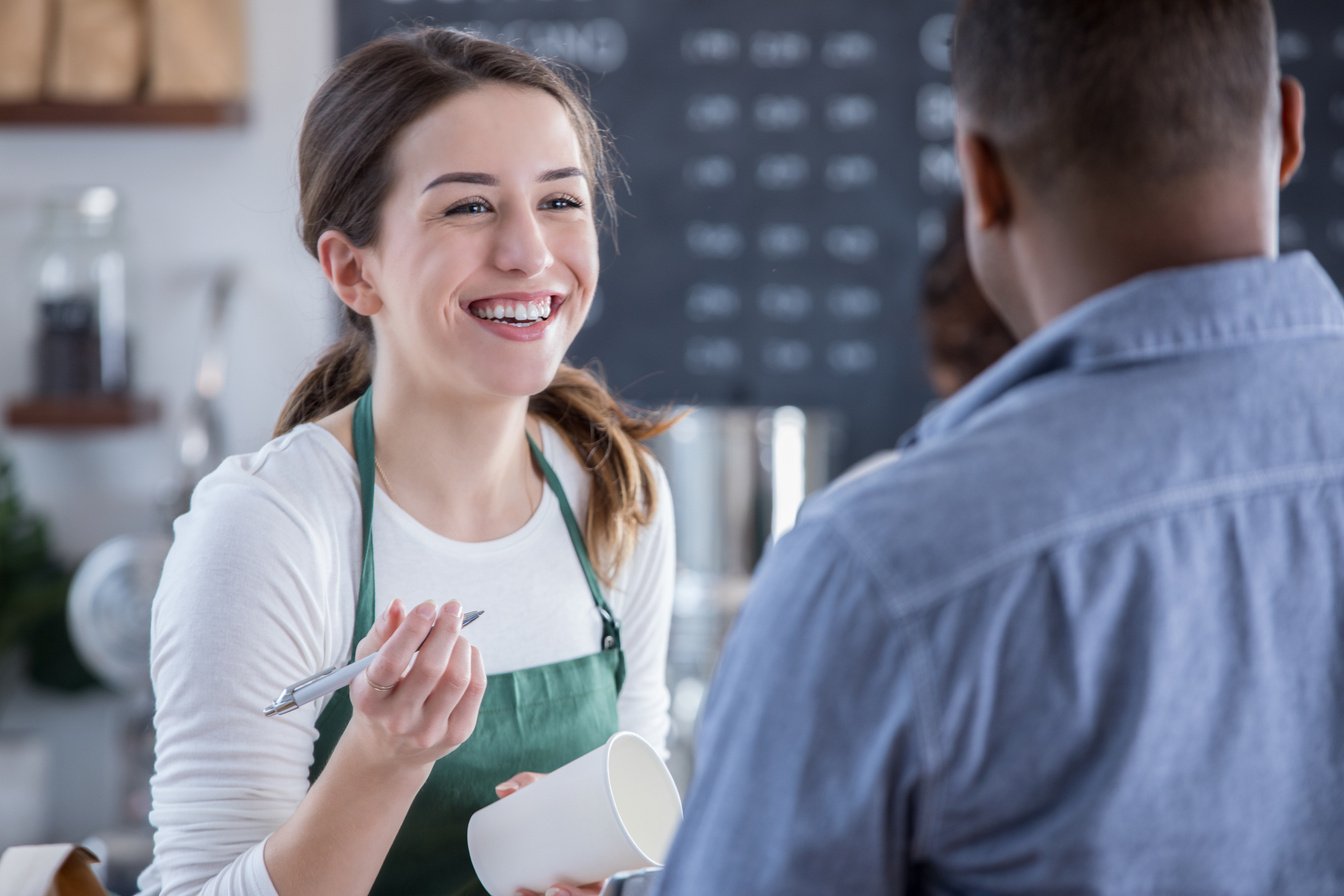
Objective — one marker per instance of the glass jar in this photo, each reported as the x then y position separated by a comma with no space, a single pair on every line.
79,279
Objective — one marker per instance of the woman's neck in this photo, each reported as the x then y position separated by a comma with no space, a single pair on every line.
462,470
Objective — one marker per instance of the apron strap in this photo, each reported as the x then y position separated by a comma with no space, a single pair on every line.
611,628
364,609
364,459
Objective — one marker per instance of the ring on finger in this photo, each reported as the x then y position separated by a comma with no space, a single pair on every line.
375,685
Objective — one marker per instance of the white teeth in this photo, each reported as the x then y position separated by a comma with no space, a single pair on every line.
516,311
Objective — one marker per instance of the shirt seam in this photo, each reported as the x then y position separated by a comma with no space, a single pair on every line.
413,528
1146,507
924,738
931,813
1197,344
930,597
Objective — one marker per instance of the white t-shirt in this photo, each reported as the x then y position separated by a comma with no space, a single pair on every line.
259,591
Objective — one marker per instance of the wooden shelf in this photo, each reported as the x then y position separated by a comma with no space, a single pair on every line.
230,114
92,412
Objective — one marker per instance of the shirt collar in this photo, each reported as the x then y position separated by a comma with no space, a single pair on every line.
1160,314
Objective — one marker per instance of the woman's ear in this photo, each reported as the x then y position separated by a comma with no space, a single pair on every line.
346,268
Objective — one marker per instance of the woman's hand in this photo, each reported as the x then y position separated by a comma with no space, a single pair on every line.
566,890
513,785
423,715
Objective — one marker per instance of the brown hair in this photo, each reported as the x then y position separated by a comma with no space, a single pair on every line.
1146,89
345,171
963,334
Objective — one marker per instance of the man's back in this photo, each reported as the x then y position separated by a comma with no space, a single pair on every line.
1086,635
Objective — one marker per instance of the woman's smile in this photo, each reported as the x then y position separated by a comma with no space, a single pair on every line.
521,316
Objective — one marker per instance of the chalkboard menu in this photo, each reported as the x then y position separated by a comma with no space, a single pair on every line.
789,166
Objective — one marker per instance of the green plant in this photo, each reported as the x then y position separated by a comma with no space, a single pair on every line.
33,589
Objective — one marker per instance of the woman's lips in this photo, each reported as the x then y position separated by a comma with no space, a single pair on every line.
519,317
519,307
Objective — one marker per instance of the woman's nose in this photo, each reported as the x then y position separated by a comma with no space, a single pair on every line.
521,246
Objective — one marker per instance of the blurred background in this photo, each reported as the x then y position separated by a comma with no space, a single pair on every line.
786,265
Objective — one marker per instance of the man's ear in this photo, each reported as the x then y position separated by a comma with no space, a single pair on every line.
988,200
1291,118
344,265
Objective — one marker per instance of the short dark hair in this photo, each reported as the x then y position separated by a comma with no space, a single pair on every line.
1148,88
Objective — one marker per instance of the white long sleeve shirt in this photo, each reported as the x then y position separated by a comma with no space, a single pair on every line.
259,591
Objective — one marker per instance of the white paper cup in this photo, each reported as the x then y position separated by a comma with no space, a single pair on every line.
613,809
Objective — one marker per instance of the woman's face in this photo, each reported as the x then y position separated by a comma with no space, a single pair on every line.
486,257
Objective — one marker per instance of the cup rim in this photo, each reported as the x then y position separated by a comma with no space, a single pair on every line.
611,793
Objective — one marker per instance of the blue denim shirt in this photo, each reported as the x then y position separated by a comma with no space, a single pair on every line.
1085,635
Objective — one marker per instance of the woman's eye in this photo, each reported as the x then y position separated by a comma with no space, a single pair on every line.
470,207
565,201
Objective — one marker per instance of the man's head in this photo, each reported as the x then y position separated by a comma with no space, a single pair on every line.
1078,105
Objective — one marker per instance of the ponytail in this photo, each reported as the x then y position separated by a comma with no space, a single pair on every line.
340,376
607,436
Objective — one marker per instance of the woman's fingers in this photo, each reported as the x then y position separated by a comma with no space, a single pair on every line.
450,683
566,890
432,706
385,625
422,678
516,783
462,720
395,653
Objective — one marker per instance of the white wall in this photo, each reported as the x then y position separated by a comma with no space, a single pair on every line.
195,199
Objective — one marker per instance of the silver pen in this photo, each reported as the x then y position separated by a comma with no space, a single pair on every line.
332,679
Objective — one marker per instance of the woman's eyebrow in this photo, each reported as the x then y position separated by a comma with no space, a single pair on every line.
489,180
562,174
462,177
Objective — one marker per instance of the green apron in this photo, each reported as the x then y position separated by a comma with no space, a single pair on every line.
534,719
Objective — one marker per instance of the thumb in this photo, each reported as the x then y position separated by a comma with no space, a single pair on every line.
517,782
382,629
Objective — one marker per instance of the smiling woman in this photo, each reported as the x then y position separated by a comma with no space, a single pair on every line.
509,226
452,190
